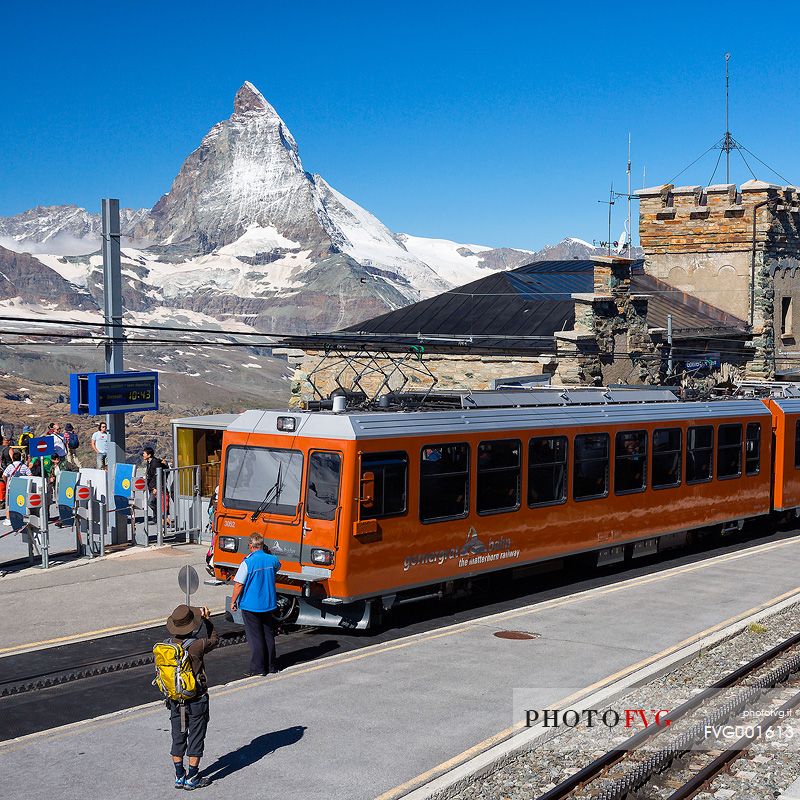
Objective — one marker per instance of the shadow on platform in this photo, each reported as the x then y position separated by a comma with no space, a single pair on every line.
249,754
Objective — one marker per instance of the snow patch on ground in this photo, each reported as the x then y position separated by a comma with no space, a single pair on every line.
257,240
580,241
442,255
74,273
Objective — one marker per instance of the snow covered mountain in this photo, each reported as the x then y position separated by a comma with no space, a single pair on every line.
245,233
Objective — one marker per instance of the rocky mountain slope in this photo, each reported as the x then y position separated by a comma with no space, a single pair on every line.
245,233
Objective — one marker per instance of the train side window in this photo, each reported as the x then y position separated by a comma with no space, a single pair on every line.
444,482
547,470
699,454
499,475
322,485
590,472
387,476
729,451
797,444
667,457
752,449
630,461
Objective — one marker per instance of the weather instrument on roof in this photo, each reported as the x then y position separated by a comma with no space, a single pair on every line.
96,393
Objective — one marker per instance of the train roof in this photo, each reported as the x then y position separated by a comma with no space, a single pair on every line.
359,425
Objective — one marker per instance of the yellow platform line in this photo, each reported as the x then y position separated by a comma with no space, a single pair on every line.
78,637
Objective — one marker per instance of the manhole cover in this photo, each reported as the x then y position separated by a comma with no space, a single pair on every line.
516,635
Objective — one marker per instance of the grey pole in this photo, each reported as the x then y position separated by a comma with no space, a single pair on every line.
159,507
669,343
112,302
44,517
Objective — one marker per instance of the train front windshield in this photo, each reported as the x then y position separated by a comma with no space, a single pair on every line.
266,480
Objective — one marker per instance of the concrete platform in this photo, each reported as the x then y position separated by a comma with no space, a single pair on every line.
380,721
86,598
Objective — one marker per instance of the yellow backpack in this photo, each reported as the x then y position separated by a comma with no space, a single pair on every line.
174,675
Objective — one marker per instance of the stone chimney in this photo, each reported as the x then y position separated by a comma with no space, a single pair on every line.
610,335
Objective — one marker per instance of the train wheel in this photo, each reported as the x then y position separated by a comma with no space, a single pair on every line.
286,611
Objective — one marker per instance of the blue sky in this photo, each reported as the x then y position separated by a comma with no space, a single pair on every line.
500,124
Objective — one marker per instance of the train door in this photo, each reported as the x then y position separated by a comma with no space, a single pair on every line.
323,507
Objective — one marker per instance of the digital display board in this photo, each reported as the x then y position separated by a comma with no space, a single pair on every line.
97,393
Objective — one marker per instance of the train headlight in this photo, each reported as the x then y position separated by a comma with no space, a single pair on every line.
287,424
320,556
227,543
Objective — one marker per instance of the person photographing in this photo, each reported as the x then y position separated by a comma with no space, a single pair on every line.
181,676
254,593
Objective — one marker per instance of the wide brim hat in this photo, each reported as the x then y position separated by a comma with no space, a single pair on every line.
184,619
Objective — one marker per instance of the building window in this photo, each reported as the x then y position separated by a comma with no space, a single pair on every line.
699,454
498,475
667,457
444,482
590,474
752,449
729,451
547,470
786,316
630,461
384,481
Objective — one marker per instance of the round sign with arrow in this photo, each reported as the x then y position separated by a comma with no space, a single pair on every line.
188,580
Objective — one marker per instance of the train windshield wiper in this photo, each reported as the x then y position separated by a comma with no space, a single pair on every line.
273,493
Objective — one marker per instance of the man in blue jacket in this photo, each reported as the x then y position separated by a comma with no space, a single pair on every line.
254,593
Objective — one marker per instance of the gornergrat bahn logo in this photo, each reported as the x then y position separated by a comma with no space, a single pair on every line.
473,552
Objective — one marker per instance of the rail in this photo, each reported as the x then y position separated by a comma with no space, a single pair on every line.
659,760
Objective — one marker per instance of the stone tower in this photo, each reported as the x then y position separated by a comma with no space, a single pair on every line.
737,249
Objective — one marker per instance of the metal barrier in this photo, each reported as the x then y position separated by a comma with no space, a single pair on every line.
91,521
176,512
181,510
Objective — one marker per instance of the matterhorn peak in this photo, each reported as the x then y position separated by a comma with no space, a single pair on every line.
248,98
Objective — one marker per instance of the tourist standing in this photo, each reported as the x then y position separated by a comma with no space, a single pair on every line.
73,443
100,445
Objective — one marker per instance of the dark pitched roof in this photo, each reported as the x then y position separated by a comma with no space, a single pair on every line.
521,309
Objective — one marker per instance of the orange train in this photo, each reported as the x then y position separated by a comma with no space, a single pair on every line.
368,509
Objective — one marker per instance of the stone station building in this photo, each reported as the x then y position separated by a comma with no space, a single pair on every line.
736,249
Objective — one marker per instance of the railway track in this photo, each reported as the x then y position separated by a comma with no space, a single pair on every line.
623,773
91,669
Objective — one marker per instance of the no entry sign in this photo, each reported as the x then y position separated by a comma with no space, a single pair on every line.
35,501
41,446
139,484
82,493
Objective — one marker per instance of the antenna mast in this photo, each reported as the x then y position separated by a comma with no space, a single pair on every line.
727,143
628,243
